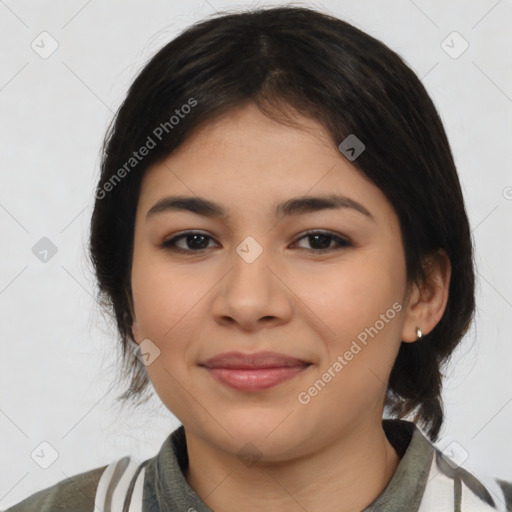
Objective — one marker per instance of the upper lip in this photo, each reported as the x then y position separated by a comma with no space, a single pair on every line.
243,360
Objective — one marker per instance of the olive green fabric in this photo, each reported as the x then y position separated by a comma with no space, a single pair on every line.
75,494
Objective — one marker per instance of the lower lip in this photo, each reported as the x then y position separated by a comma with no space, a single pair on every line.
254,379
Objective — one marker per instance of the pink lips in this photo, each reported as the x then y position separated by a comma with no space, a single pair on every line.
253,372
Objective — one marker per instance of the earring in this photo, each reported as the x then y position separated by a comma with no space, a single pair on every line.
419,334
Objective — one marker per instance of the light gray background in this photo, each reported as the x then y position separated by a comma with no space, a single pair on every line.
59,352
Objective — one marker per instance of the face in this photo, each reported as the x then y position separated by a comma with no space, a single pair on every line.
322,285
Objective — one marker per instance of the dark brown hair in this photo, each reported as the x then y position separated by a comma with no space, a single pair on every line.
284,59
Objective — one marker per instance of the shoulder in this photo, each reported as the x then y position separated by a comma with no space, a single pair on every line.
464,487
435,477
110,487
76,493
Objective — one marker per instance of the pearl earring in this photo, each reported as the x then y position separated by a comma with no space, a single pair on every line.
419,334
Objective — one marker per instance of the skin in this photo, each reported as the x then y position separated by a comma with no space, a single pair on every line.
331,453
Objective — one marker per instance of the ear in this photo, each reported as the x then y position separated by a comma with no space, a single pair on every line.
427,300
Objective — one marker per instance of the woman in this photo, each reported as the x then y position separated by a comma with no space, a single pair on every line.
280,231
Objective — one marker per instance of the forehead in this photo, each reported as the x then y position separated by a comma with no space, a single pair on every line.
246,157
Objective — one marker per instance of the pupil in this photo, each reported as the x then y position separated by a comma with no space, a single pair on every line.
324,238
194,244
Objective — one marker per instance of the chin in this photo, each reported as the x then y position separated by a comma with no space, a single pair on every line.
261,437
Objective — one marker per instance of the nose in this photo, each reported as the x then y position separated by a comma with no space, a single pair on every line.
253,294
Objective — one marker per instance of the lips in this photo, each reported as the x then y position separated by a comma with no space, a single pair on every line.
253,372
246,361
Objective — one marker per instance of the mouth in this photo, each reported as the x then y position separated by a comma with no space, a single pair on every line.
253,372
254,379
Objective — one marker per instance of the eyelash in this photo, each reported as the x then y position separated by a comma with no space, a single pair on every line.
342,242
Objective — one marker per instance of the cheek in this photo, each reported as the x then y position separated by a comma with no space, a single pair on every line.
351,296
164,296
362,307
164,300
360,302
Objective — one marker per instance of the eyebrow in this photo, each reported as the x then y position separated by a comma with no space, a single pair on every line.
293,206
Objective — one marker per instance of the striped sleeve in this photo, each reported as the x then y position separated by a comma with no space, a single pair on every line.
120,488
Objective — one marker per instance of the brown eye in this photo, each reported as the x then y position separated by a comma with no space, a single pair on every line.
321,242
194,242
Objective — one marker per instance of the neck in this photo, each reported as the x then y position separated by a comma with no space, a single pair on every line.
350,473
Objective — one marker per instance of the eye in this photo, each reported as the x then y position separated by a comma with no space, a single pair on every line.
193,239
195,242
324,240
